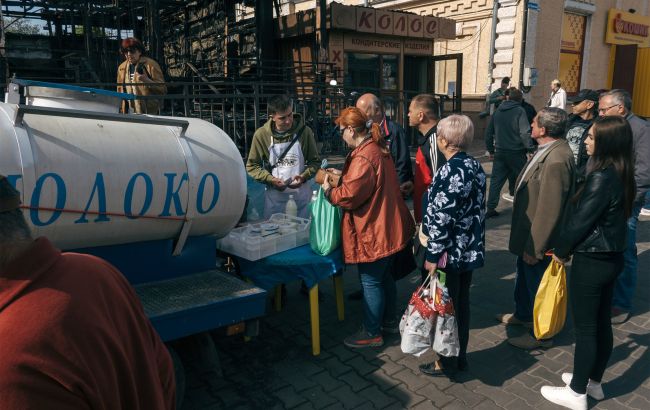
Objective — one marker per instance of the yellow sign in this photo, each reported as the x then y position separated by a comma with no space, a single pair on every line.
627,28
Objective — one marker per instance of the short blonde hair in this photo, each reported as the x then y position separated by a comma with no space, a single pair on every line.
556,82
458,130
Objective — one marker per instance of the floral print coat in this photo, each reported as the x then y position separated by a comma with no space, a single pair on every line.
454,217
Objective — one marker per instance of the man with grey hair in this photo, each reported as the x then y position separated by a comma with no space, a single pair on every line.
74,334
543,190
395,138
558,95
507,139
618,102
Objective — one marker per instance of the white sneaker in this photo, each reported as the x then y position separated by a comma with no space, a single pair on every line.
508,197
594,390
565,397
645,211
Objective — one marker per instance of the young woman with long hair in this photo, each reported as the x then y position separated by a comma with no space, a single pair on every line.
596,236
376,223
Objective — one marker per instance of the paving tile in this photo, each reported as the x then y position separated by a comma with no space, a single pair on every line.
406,397
425,405
326,381
348,398
497,394
434,395
411,380
336,367
468,397
354,381
289,397
377,397
530,396
318,397
362,366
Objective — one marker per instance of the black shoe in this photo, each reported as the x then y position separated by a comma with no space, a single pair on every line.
491,213
430,370
356,295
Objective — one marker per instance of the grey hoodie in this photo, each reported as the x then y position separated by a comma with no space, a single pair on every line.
509,130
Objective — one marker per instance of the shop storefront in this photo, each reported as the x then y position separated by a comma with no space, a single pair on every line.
385,52
629,68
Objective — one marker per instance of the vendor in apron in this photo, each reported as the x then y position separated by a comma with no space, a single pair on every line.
284,157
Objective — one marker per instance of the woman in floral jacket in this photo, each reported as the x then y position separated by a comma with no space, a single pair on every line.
454,223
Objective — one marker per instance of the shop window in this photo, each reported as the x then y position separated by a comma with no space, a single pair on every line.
362,70
372,71
571,51
389,78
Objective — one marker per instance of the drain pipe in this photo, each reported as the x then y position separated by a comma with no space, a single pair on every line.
522,54
495,9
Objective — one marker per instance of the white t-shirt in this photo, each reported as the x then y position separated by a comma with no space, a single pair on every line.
558,99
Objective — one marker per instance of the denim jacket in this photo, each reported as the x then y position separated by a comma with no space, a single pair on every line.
454,217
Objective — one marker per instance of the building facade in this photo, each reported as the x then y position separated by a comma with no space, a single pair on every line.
597,44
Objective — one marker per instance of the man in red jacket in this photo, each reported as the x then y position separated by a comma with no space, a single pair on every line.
74,334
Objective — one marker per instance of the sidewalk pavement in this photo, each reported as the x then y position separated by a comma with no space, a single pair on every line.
276,370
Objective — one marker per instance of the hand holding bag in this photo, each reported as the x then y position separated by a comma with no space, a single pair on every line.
325,227
549,311
418,322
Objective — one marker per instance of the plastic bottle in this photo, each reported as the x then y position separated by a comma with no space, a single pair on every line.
291,208
314,196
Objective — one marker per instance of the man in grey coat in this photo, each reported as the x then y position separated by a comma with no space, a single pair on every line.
618,102
542,193
507,139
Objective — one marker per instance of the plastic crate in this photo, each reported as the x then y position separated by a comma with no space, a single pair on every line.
253,242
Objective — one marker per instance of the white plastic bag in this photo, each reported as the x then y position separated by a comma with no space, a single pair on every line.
418,322
445,340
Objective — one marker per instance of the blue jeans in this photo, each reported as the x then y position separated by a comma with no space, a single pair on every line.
526,284
379,293
626,281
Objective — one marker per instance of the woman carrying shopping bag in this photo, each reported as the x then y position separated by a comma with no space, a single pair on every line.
595,234
376,223
454,222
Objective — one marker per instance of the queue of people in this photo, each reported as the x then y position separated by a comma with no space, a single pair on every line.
563,205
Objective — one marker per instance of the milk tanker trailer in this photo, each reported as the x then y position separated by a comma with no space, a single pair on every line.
149,194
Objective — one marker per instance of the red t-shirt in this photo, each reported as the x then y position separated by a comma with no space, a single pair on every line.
421,183
73,335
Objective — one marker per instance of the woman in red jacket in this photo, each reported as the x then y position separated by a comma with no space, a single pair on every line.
376,223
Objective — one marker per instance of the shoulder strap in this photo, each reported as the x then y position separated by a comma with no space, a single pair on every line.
286,150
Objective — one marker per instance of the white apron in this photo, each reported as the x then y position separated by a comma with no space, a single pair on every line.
293,164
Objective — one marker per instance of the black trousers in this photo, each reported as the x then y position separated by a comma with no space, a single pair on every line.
458,284
591,286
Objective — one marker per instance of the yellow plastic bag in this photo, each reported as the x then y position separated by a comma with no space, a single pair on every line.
549,312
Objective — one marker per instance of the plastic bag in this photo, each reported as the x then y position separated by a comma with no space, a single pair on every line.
445,340
549,311
325,228
418,322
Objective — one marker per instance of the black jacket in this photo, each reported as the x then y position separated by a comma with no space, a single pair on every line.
424,143
398,146
509,129
582,126
597,223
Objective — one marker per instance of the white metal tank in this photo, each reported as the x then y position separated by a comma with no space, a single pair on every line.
90,178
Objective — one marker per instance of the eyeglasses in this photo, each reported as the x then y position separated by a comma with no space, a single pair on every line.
605,109
130,50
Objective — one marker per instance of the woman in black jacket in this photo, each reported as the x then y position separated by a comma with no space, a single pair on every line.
596,236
